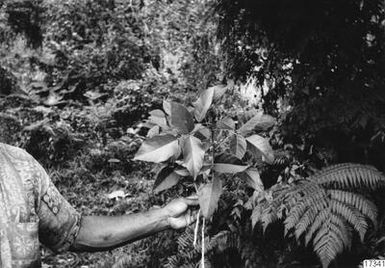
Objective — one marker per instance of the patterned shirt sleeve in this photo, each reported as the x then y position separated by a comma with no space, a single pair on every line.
59,222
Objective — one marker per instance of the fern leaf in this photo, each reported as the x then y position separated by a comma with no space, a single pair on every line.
364,205
349,175
342,231
305,222
352,216
330,241
268,217
310,200
318,221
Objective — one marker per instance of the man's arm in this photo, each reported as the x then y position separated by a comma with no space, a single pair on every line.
107,232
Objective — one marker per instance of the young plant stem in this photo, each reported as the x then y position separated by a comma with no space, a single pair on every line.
203,244
196,229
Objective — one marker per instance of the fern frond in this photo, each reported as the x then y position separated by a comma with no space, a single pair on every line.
311,200
364,205
327,243
351,215
349,175
223,240
341,230
268,217
318,221
324,209
306,220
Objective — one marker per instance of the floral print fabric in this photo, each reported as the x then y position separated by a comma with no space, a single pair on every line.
31,209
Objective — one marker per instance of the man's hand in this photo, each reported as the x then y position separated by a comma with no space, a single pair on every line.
178,212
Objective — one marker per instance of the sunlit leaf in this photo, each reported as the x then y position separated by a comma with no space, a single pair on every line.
228,163
208,196
252,179
155,130
116,194
158,117
181,118
158,149
238,145
193,154
182,172
259,146
167,107
203,104
219,91
259,122
229,168
226,123
165,179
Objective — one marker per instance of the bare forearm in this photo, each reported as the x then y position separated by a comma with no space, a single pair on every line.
106,232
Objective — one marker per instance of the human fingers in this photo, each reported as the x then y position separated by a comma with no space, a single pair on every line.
191,216
191,200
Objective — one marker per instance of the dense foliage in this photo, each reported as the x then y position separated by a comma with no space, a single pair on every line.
91,87
323,61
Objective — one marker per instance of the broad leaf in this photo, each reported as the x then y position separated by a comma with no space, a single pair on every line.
259,146
165,179
226,123
158,149
258,122
226,158
167,107
238,145
206,168
208,196
219,91
229,168
193,154
252,179
228,163
182,172
185,173
155,130
158,117
181,118
203,104
202,132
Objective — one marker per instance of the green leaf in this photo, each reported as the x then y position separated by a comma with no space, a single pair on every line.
167,107
208,196
158,117
228,163
229,168
259,122
259,146
155,130
202,132
158,149
165,179
203,103
226,158
226,123
238,145
182,172
219,91
181,118
252,179
193,154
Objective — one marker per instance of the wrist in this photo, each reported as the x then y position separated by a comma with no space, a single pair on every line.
164,218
